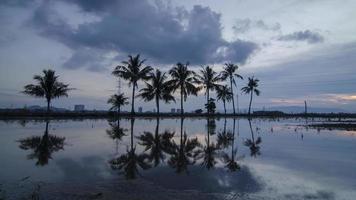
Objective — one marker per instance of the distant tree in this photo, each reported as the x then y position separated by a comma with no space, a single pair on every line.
250,89
182,79
224,94
158,89
48,87
210,106
230,72
117,101
133,70
209,79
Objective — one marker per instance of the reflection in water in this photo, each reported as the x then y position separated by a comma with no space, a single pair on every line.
252,143
185,153
230,161
130,161
42,147
210,150
116,132
157,144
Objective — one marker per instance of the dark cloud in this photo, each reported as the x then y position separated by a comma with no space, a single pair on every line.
161,33
245,25
307,35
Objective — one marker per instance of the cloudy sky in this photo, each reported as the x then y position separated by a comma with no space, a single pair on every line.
299,49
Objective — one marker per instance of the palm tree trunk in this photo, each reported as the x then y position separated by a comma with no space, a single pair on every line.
224,107
232,92
181,100
157,104
48,106
207,100
132,125
249,108
133,99
237,103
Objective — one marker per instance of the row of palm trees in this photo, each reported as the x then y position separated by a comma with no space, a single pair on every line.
158,85
187,82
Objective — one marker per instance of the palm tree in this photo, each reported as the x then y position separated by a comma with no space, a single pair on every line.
116,132
158,89
43,147
131,161
225,137
229,72
157,143
209,80
118,100
230,161
210,151
47,86
182,79
133,70
250,89
224,94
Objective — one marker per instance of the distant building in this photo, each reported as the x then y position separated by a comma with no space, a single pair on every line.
173,110
79,107
140,109
178,110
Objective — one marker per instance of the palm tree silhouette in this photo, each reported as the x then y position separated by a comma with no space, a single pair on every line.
47,86
158,89
230,161
252,143
116,101
250,89
209,80
224,138
158,144
210,151
230,72
116,132
182,79
185,153
42,146
224,94
130,161
133,70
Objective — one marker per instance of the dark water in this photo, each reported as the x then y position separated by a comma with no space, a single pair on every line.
175,159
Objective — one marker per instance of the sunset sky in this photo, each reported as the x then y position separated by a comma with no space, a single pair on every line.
299,49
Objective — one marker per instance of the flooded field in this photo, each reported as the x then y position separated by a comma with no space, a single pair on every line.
174,158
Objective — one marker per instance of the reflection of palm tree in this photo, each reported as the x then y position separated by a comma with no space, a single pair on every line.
250,89
209,80
183,154
133,71
210,151
230,161
225,137
252,144
130,162
182,79
42,147
158,144
158,89
48,87
116,132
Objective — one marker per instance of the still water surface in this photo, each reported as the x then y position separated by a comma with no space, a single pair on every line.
149,158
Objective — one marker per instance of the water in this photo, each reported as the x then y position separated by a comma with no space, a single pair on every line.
175,159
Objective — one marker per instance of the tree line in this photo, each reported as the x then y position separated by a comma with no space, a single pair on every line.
158,85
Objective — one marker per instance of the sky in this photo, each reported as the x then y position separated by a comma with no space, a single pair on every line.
298,49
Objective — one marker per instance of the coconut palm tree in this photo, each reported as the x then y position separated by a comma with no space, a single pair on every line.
157,144
47,86
43,147
209,79
116,101
158,89
252,143
224,94
230,72
250,89
133,70
182,79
